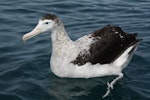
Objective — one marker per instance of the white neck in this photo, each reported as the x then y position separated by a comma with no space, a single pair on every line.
60,39
59,34
60,44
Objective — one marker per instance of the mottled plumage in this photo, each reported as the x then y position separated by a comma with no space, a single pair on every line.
107,45
102,53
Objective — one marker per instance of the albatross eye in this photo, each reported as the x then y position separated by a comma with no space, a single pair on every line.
46,22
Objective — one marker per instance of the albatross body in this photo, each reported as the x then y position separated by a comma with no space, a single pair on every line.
101,53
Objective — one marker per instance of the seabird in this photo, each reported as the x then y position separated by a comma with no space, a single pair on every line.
104,52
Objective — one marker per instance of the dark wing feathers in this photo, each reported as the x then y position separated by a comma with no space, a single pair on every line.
110,43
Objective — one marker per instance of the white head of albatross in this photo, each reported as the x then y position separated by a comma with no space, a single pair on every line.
44,25
101,53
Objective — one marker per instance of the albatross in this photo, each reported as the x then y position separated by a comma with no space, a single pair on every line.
104,52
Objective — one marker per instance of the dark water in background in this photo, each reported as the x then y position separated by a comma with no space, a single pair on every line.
24,67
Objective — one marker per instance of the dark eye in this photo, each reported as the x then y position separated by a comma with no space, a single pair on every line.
46,22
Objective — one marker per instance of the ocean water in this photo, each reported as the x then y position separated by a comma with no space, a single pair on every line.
24,67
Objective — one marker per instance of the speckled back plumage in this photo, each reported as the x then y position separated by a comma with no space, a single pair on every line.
109,43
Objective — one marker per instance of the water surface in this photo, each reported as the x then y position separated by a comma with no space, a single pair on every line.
24,67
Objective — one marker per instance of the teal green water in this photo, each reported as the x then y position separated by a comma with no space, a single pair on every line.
24,67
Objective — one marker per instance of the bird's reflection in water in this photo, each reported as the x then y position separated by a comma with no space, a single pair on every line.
78,89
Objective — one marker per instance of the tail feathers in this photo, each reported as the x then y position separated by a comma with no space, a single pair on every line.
126,56
134,48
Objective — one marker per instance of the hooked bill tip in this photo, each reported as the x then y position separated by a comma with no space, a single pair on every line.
24,38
